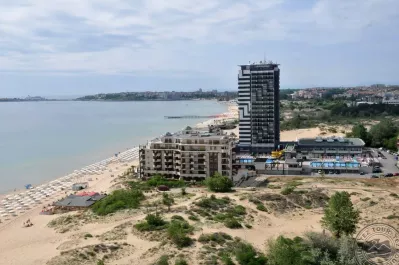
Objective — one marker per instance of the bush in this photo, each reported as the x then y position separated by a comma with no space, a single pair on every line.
287,251
213,202
261,207
181,262
118,200
183,191
287,190
163,260
100,262
247,255
177,217
158,180
218,237
167,200
394,195
193,218
177,232
227,260
88,235
152,222
392,217
232,223
219,183
239,210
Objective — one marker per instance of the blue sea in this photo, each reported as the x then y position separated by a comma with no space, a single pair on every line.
41,141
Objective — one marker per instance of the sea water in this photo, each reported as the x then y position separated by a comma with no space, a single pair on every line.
40,141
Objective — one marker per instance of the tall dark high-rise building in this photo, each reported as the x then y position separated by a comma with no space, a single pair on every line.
259,106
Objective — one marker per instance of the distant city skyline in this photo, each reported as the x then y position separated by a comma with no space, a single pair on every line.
64,48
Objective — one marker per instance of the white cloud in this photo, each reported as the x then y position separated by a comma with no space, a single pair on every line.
147,35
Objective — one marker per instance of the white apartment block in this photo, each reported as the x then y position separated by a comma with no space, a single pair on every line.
188,155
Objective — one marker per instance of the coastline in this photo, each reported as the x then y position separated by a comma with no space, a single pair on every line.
94,174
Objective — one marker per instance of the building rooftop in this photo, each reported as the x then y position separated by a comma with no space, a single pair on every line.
331,141
79,201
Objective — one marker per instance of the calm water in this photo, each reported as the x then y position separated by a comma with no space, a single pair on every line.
40,141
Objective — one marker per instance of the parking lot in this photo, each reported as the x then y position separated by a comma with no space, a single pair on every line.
388,165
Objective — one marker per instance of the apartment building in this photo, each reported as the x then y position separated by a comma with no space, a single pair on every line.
188,155
258,101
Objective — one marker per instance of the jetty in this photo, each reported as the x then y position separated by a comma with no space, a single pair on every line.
192,117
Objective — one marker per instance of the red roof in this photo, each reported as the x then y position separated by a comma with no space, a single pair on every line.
87,193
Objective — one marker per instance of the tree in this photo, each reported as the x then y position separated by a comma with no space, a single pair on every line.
340,217
391,143
382,131
219,183
167,201
359,131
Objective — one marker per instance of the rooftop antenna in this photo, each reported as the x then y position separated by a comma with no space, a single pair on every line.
264,57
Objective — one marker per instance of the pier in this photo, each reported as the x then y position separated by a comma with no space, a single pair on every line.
192,117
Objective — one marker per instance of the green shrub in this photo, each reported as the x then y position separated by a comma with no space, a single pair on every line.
193,218
227,260
392,217
152,222
100,262
219,183
177,217
218,237
261,207
213,202
181,262
158,180
239,210
88,235
183,191
177,232
394,195
287,251
365,199
287,190
232,223
247,255
118,200
163,260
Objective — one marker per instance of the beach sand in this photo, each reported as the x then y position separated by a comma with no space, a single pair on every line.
35,245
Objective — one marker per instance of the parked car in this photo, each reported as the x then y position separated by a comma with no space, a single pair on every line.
388,175
375,177
362,173
396,174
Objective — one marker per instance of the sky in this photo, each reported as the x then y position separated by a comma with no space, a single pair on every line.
79,47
